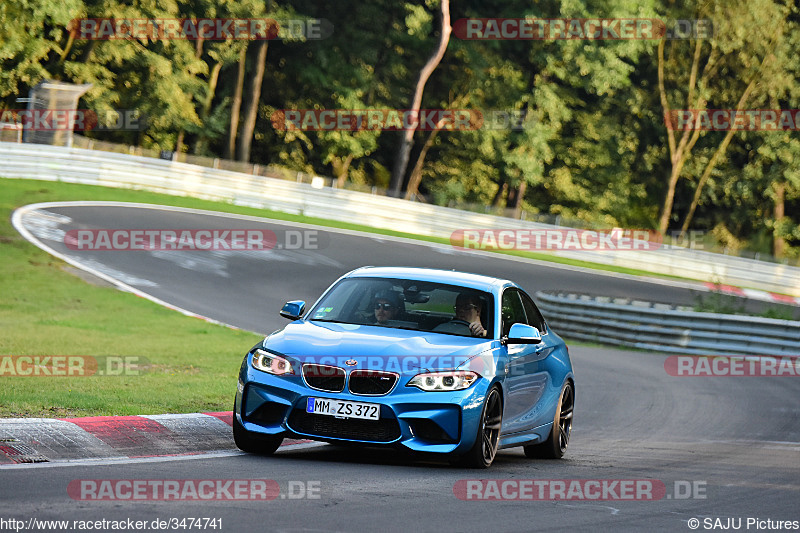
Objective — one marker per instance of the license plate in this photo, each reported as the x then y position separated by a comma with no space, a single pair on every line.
341,408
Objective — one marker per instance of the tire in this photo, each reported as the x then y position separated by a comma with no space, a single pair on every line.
252,443
556,444
483,452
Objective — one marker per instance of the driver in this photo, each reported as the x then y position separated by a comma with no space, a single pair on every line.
468,309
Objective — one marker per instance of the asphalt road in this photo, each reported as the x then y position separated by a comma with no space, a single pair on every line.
247,287
736,440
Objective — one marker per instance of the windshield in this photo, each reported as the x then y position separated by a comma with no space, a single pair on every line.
406,304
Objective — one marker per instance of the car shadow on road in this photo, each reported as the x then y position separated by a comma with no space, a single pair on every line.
385,456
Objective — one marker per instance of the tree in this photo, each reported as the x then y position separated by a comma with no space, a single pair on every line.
404,147
251,103
31,33
750,66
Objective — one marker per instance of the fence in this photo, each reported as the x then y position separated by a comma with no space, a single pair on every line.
664,328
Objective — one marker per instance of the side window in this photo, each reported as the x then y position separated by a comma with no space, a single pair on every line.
535,318
512,310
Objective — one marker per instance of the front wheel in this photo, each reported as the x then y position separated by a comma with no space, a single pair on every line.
556,444
249,442
484,450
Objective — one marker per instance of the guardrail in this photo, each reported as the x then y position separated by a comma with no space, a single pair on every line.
666,328
78,165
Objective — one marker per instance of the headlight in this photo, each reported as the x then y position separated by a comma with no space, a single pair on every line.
271,363
443,381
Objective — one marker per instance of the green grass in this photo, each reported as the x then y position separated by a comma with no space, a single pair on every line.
727,304
45,310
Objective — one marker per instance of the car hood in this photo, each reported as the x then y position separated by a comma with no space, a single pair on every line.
373,347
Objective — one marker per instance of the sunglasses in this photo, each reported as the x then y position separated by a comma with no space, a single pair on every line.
384,306
465,306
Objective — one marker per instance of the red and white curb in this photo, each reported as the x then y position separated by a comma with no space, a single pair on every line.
755,294
51,440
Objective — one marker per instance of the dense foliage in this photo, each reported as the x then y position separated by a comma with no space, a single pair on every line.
594,147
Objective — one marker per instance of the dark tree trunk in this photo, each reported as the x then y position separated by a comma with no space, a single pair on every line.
230,148
340,169
515,196
251,107
404,148
179,142
87,51
779,243
416,173
502,187
200,144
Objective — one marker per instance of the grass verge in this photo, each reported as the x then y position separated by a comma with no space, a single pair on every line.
44,310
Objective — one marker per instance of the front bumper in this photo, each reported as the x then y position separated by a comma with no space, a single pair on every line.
439,422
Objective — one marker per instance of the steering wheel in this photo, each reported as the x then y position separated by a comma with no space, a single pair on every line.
455,326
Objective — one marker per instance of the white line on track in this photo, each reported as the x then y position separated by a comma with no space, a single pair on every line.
110,461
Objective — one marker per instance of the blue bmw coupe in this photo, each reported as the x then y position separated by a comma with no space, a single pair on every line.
427,360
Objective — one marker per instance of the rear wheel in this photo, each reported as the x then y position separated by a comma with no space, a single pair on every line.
556,444
250,442
484,450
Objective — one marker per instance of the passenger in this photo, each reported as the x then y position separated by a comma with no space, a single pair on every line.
387,304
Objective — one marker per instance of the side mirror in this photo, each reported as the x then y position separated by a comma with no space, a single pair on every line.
293,310
523,334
